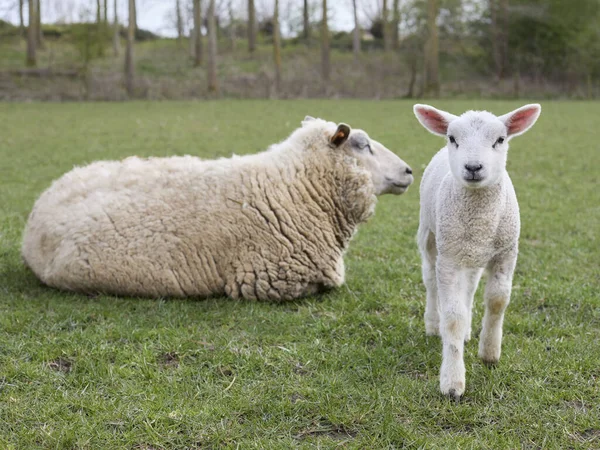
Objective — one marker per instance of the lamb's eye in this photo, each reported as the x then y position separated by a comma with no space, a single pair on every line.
500,140
452,140
368,147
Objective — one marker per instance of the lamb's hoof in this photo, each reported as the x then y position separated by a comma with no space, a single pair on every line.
491,363
489,358
453,395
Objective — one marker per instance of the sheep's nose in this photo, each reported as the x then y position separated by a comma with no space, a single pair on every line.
473,167
408,171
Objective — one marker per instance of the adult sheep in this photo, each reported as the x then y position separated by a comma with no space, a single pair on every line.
469,223
269,226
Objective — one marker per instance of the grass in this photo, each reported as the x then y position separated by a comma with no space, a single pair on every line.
352,368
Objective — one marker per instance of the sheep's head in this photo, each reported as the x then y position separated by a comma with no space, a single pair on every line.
477,141
390,175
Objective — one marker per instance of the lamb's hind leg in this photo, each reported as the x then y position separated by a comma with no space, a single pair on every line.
497,297
426,241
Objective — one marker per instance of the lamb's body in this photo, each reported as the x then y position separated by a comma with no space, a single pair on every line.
469,223
269,226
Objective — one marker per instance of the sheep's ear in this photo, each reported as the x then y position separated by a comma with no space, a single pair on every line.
520,120
307,119
434,120
340,136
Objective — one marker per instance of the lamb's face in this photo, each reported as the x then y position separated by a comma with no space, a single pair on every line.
477,141
389,173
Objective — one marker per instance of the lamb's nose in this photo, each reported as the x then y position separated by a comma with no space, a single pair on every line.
473,167
408,171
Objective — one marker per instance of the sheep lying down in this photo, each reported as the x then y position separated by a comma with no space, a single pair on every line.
269,226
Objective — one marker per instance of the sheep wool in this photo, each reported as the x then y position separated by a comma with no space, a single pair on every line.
269,226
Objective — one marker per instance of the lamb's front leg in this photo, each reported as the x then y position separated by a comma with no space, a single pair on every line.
497,297
452,291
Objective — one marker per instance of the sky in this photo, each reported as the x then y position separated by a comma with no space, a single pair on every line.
158,15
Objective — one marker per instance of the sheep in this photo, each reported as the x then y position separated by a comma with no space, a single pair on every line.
270,226
469,222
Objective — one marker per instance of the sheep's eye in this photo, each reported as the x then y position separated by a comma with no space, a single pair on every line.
452,140
368,146
500,140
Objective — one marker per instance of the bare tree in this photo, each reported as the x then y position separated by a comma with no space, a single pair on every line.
39,35
305,22
396,25
179,20
129,67
325,62
32,34
106,12
98,12
197,33
213,82
356,32
499,35
116,39
277,49
21,18
231,25
251,26
431,86
385,27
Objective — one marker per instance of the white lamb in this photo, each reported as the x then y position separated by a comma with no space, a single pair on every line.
274,225
469,222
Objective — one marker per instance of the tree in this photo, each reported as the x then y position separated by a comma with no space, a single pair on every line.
179,20
306,22
251,26
32,34
277,49
325,62
385,26
197,33
98,12
106,12
21,18
116,39
39,36
396,25
213,82
431,85
129,67
231,25
356,32
499,35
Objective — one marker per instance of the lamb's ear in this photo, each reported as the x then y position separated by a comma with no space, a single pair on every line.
433,119
520,120
307,119
340,136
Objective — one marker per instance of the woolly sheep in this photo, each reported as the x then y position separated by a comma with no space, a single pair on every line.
273,225
469,222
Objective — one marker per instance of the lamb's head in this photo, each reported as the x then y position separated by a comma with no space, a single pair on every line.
477,141
390,175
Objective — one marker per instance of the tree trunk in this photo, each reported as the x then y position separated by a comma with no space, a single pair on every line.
277,49
325,63
306,22
179,20
251,27
197,33
499,36
356,32
106,12
32,34
396,25
231,26
129,66
116,38
431,86
135,26
39,36
385,27
98,12
213,82
21,18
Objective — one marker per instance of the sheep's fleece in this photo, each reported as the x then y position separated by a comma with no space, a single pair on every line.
274,225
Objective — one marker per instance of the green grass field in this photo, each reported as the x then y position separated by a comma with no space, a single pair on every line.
352,368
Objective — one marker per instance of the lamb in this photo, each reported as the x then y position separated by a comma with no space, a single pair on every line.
270,226
469,222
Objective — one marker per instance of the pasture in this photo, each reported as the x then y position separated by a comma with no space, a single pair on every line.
351,368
